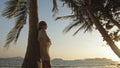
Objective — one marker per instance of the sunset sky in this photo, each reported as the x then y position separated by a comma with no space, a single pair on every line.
65,46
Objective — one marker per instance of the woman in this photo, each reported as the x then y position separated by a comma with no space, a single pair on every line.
45,43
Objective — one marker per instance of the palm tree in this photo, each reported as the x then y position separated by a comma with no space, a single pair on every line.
103,31
32,54
89,13
19,9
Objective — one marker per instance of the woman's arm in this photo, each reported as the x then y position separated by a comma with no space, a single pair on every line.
43,35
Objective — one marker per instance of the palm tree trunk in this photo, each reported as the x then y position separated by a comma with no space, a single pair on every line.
32,53
103,32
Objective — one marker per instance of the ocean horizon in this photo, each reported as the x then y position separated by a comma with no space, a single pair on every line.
15,62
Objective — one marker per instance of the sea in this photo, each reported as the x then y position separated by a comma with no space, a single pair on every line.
87,63
60,63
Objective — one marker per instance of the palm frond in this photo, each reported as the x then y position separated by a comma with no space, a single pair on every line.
80,16
11,7
19,12
83,23
10,37
55,7
86,26
65,17
74,5
18,33
70,26
89,26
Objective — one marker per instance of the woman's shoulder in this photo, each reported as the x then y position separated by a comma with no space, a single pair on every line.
41,30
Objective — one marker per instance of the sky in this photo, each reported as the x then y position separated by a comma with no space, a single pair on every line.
64,45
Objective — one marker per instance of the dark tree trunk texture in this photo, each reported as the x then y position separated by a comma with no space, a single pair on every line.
33,53
103,31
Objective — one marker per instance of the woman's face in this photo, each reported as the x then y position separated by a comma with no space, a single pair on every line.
45,27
